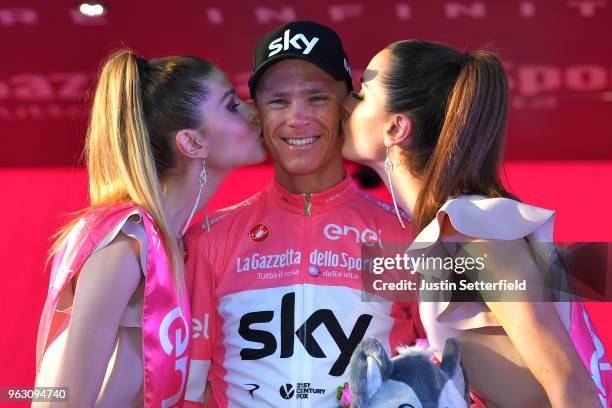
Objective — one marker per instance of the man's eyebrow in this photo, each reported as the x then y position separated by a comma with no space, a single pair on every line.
306,90
316,89
226,95
275,94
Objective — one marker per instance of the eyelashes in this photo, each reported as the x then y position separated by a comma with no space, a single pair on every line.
314,99
233,106
356,96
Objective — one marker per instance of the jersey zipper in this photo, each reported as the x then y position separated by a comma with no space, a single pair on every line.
307,223
307,204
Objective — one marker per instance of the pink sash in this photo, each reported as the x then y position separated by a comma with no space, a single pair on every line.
165,328
591,351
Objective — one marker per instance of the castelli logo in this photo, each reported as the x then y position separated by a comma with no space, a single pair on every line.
259,232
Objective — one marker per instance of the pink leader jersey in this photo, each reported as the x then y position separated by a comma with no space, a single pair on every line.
276,297
165,332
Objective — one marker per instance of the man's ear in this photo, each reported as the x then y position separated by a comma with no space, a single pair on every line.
192,144
251,102
398,129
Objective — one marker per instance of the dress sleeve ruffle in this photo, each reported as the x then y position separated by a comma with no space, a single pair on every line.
493,219
131,226
478,217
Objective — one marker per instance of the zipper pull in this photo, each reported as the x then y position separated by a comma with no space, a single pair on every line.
307,204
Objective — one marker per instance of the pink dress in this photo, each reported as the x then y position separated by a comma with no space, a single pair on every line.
502,219
164,319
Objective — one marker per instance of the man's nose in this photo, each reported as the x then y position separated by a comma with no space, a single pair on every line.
299,116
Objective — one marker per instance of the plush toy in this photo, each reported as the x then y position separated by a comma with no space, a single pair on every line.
409,380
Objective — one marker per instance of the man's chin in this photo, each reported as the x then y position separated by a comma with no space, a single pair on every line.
300,169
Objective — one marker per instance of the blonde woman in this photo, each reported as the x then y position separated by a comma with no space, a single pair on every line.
115,327
431,121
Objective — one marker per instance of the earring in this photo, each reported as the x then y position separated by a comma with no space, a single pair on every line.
388,163
203,178
389,166
203,174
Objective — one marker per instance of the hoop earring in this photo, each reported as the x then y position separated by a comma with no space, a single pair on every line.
203,179
389,166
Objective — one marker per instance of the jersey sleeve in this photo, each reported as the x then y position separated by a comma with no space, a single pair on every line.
200,287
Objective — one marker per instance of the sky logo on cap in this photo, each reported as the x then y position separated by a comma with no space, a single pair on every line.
284,42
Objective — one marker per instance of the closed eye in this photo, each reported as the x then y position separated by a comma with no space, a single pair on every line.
405,406
319,98
233,106
278,101
357,96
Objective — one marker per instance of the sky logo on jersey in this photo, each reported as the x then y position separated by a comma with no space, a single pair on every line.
286,41
259,233
304,333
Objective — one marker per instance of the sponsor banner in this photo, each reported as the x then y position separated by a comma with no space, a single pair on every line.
560,79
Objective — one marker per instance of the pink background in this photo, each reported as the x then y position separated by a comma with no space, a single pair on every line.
557,54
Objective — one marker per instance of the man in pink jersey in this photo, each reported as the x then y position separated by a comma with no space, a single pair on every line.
275,283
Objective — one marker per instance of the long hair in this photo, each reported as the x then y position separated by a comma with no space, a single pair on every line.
137,109
458,104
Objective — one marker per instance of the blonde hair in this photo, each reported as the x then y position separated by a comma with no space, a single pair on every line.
127,155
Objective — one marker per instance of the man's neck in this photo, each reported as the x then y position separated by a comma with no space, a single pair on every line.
317,182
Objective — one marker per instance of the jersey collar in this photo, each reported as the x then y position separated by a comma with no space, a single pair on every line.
318,202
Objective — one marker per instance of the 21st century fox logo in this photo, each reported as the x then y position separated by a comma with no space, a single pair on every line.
300,391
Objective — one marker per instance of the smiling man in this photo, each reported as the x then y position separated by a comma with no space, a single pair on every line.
297,102
275,284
